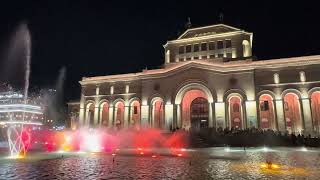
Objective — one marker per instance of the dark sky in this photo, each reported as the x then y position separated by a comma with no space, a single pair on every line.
106,37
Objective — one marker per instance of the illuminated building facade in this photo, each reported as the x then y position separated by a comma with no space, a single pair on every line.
209,79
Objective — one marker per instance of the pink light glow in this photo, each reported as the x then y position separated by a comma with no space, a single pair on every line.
107,140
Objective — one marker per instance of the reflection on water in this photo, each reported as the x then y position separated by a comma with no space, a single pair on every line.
210,163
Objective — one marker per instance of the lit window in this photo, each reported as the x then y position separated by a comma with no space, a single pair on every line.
127,88
181,49
203,46
111,90
220,44
211,46
302,76
276,78
195,47
228,43
188,48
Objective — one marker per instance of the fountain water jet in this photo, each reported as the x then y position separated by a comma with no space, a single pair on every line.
16,133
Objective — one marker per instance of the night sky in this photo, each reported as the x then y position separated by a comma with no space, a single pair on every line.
93,38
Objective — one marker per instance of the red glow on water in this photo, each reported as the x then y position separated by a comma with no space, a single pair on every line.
107,140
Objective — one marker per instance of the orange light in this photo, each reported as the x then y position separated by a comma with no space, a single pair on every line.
263,165
140,149
269,166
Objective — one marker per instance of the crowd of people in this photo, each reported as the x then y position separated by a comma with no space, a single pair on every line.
253,137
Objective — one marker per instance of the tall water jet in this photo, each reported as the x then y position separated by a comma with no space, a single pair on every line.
54,99
27,43
20,47
18,53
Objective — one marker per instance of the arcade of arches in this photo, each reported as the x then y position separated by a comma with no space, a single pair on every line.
195,112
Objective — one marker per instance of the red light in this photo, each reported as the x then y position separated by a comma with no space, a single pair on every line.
140,149
154,156
141,153
113,154
179,154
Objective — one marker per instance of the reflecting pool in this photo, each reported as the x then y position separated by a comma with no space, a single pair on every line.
206,163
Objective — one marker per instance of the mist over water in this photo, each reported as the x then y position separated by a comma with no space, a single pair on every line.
58,98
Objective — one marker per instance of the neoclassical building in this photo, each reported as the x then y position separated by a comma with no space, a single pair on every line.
209,79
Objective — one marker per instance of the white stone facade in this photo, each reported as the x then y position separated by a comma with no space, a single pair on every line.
233,91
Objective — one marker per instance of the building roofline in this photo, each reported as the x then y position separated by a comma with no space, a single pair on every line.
241,65
207,37
204,27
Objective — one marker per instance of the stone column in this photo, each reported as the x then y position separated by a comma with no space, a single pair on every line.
96,107
211,115
167,58
96,115
307,116
126,116
100,116
111,121
168,116
145,116
174,121
179,116
82,110
251,114
220,115
280,115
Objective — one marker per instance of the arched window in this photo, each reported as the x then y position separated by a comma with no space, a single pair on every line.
135,114
315,107
104,114
246,48
276,78
292,112
235,112
187,110
267,116
302,76
158,113
119,114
